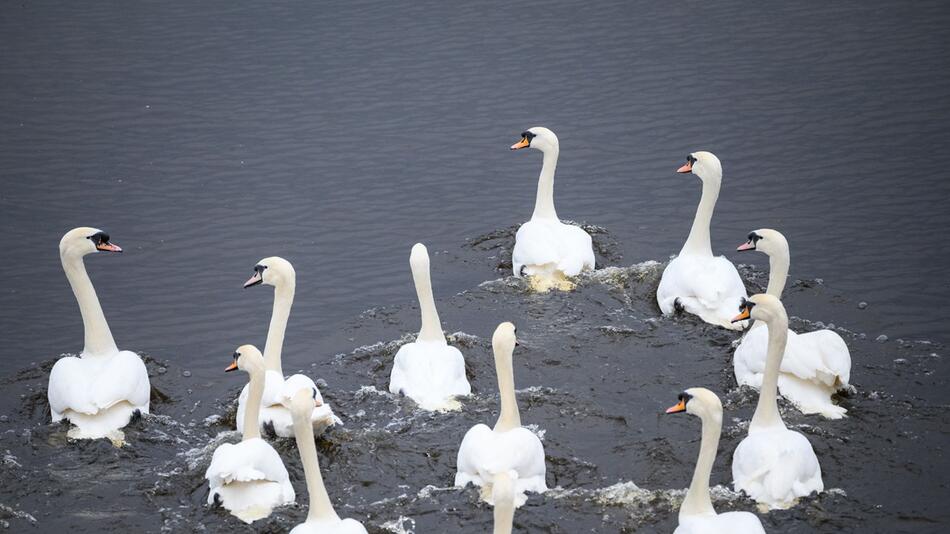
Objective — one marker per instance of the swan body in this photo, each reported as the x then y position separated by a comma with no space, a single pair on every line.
275,405
697,515
548,251
104,388
815,365
486,452
248,478
428,370
321,519
696,281
773,465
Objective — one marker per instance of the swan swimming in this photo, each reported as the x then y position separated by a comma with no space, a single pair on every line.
275,410
816,364
104,388
428,370
695,280
548,251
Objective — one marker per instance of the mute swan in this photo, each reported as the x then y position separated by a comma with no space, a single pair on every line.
503,494
816,364
547,250
697,515
249,479
773,464
695,280
486,452
428,370
104,388
321,519
275,408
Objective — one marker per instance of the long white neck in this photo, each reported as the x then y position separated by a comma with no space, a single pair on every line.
698,243
431,326
766,411
697,500
252,410
504,497
320,505
509,417
98,337
283,300
544,202
778,273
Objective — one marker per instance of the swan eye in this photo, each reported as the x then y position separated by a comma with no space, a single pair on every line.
99,238
260,269
314,393
527,135
685,397
690,159
236,355
754,237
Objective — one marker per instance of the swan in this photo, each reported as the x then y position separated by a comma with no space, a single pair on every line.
249,478
321,519
697,515
275,411
695,280
548,251
486,452
428,370
104,388
816,364
773,464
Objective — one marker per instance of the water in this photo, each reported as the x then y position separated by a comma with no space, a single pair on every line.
205,137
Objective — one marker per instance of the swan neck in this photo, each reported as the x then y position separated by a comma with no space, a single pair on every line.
766,411
504,506
431,326
273,347
509,417
544,202
697,501
98,337
698,243
320,505
252,411
778,274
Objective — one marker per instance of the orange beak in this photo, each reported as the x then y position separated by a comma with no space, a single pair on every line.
521,144
231,367
742,316
679,407
686,168
748,245
108,247
257,278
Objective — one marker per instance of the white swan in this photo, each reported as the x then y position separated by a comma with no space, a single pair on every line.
697,515
321,519
548,251
249,478
428,370
486,452
695,280
104,388
773,464
275,408
816,364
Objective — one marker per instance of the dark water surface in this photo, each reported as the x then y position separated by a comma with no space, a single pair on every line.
205,136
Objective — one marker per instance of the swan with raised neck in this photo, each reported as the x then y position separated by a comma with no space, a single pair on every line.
279,273
431,330
503,344
301,406
768,309
543,139
248,358
708,168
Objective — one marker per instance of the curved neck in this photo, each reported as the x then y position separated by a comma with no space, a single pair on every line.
509,417
503,495
283,300
98,337
697,500
320,505
431,326
778,274
698,241
544,202
766,411
252,410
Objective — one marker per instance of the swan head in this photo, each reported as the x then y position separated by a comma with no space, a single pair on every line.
765,240
274,271
761,307
699,402
246,358
419,257
504,339
85,240
703,164
539,138
303,402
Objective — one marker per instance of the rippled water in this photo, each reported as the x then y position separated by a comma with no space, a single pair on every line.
205,137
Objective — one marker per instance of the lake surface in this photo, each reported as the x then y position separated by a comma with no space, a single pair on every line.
206,136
